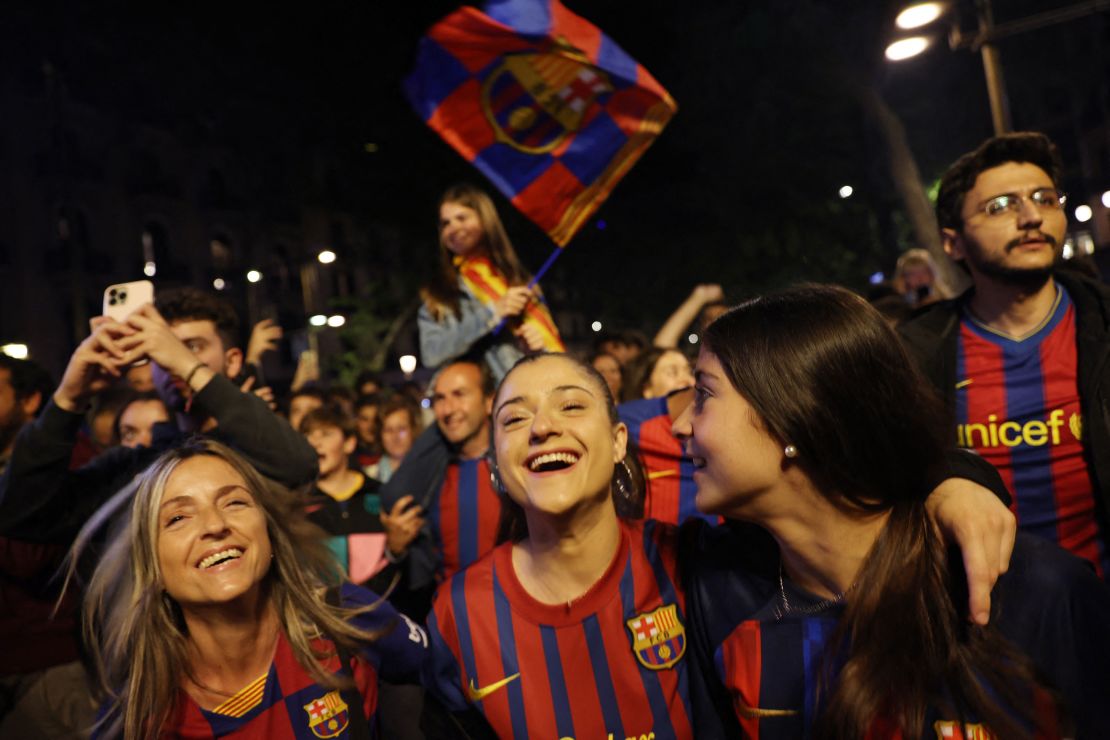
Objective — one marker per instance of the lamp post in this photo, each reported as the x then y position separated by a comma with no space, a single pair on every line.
983,41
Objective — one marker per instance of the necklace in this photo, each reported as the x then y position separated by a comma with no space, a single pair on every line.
784,608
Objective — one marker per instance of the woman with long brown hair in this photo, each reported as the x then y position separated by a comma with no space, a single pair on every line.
810,422
478,301
209,613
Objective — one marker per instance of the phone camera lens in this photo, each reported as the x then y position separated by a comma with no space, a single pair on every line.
112,293
112,301
122,296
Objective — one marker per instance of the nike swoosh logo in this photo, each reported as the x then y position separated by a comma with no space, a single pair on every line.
477,694
963,384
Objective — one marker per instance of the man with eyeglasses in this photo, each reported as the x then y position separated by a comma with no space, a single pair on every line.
1021,357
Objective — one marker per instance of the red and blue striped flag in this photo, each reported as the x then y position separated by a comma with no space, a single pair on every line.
542,102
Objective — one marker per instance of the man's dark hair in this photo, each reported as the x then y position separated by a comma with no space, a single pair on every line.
1023,146
28,378
368,376
628,337
374,399
486,379
193,304
329,416
310,389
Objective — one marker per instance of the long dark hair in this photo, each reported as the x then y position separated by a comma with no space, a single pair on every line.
826,374
626,486
441,293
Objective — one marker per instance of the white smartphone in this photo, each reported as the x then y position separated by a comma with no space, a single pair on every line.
122,299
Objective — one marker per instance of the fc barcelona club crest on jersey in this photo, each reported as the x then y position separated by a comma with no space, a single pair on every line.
658,637
327,716
533,100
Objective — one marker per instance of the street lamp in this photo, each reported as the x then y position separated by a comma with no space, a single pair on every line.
318,319
408,364
15,351
983,41
253,276
326,257
920,15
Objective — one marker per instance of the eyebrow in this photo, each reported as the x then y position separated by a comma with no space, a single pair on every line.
220,492
700,375
520,399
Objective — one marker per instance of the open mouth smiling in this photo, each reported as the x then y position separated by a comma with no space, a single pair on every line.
213,559
550,462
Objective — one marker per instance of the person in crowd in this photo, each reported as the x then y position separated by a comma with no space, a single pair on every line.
443,488
191,339
24,390
134,424
366,424
547,634
917,279
368,383
344,501
342,396
577,626
626,345
656,373
102,418
608,367
850,624
398,427
704,304
210,614
140,378
1018,358
478,303
303,400
346,505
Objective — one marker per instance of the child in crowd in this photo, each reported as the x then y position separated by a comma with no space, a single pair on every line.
343,501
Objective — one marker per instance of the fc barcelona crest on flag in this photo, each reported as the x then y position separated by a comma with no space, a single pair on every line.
533,101
658,637
327,716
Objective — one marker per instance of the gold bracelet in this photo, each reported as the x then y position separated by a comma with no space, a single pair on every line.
193,372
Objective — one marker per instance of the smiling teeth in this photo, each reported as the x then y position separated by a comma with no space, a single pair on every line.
231,552
567,457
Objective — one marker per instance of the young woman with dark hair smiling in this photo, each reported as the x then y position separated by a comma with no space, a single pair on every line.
810,422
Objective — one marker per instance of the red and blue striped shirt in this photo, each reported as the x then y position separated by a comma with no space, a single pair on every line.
610,664
288,704
671,494
1017,404
465,515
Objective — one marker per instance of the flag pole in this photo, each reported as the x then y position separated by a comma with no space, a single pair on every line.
535,279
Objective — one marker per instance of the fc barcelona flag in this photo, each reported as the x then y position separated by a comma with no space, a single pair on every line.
542,102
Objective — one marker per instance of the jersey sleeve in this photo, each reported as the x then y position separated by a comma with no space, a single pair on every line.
442,674
399,652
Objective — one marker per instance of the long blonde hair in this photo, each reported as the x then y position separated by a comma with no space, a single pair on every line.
136,633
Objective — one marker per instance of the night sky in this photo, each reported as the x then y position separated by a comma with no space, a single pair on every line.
740,188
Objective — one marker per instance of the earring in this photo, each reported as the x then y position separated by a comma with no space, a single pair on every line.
790,451
495,477
624,490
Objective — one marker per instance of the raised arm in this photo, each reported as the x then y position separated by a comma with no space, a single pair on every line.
671,331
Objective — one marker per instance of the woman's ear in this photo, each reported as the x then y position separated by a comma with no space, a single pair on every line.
620,441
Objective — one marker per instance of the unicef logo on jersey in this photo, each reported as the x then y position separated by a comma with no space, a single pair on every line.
1032,433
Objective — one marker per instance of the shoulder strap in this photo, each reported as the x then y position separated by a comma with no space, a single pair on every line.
360,728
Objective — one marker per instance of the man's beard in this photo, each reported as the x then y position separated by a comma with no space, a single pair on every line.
1027,279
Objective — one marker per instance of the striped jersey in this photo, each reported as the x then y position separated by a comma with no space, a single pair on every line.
1017,405
465,516
760,676
611,664
670,494
287,704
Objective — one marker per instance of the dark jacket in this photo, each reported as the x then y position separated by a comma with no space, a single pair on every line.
930,337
